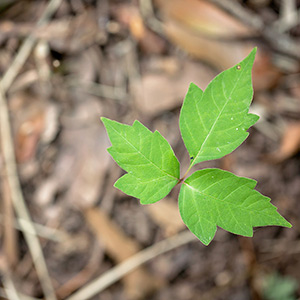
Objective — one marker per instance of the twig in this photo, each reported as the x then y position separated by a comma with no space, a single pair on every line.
4,295
83,276
45,232
9,157
8,284
288,15
99,90
280,41
19,202
10,288
26,48
10,236
147,12
117,272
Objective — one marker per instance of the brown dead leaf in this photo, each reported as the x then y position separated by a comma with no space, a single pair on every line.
290,143
139,283
68,34
29,122
163,91
205,18
210,34
166,215
265,74
81,165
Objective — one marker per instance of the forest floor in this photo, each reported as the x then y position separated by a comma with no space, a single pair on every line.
129,60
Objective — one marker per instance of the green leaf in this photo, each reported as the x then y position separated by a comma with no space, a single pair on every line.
213,123
153,169
213,197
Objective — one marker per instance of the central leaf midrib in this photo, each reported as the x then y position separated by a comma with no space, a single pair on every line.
144,155
221,111
217,199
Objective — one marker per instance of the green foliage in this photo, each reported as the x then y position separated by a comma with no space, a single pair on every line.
213,197
153,169
278,287
213,123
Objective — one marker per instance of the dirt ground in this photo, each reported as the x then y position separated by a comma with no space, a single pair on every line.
66,232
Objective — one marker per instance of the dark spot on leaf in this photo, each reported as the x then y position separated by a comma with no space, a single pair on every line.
192,157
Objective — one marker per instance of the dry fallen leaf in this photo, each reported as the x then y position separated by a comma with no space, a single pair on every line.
81,164
139,283
290,143
165,214
205,18
29,122
210,34
164,91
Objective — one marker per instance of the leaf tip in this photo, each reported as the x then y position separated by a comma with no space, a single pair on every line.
254,50
249,59
206,242
287,224
192,84
104,120
252,54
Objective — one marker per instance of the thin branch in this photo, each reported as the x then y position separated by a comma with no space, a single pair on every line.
10,160
147,13
26,48
279,41
3,294
9,287
117,272
45,232
288,15
8,284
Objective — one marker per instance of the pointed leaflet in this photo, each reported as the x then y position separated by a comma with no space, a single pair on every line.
213,197
153,169
213,123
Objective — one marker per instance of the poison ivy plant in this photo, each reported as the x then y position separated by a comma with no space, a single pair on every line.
213,123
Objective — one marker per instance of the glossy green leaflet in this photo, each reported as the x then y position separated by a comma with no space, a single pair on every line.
213,123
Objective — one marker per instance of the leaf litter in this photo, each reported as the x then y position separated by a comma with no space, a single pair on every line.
65,161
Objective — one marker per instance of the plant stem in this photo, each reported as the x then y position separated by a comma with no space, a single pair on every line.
183,177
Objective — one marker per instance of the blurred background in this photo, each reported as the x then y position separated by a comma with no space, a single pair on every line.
65,229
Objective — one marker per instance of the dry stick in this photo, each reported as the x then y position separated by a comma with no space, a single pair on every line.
9,157
117,272
10,236
26,48
288,15
8,284
10,288
4,295
19,202
147,13
280,41
45,232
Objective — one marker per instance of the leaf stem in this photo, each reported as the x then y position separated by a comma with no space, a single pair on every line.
183,177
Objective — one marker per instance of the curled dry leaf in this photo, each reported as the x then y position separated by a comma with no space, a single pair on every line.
28,122
166,215
205,18
290,143
78,171
163,92
139,283
210,34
